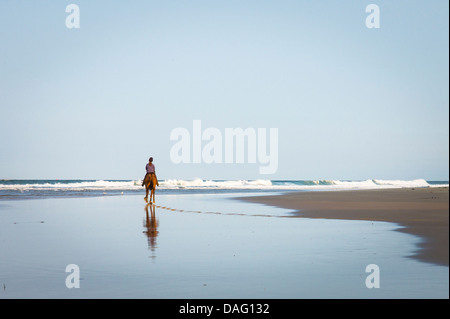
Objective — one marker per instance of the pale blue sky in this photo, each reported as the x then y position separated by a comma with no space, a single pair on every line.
349,102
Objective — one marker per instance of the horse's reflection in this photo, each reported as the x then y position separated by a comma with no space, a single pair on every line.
151,224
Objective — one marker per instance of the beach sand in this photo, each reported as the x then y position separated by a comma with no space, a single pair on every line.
423,212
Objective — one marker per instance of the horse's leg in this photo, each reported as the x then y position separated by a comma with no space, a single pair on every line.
152,187
146,192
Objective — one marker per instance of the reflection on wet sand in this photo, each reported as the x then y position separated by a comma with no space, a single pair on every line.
220,213
151,225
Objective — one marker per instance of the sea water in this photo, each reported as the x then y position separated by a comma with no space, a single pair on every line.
22,189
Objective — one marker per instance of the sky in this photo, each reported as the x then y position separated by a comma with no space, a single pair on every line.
348,102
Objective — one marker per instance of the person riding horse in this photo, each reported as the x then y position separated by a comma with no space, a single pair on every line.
150,180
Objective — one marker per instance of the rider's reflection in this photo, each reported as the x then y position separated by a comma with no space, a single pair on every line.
151,224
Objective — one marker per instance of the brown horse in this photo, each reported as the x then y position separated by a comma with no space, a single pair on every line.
150,183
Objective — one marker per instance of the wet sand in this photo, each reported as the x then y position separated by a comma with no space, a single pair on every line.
201,246
422,212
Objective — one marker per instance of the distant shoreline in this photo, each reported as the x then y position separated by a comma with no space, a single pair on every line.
423,212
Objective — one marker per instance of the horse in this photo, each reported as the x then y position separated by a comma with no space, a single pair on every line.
150,183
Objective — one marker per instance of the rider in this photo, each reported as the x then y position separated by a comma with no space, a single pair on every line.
150,169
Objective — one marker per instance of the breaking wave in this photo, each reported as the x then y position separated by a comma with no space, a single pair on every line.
202,184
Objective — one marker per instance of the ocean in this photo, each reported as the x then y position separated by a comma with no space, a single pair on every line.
35,188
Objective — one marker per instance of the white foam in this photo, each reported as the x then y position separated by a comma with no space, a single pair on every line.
295,185
260,184
199,183
401,183
75,186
